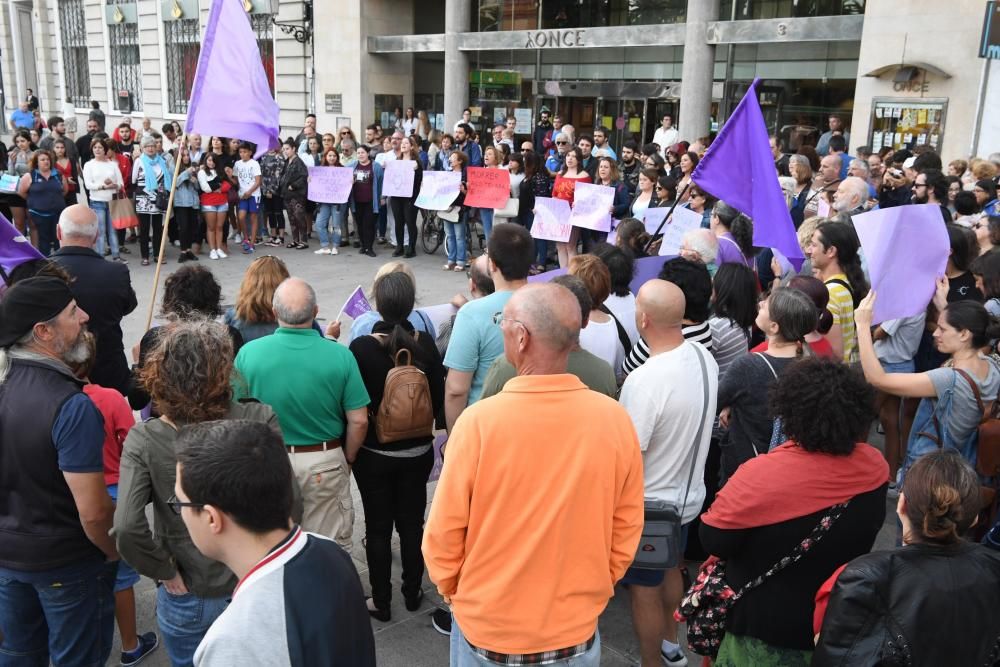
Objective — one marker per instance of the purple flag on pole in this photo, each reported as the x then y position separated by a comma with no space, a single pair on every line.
230,96
738,167
356,304
15,249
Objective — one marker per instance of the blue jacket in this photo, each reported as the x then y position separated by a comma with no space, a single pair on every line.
187,194
376,188
474,151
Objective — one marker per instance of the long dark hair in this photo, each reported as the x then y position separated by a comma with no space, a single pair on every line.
735,297
395,295
739,225
842,236
973,317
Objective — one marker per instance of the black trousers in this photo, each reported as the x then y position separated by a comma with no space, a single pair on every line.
404,213
364,218
272,213
394,493
147,220
187,220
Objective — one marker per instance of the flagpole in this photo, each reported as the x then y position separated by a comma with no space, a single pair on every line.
664,221
166,224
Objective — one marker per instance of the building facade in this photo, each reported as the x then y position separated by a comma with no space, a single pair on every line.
896,76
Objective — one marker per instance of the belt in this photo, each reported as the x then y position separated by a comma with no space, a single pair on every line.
321,447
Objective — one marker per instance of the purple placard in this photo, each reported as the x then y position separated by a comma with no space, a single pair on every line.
398,178
652,217
592,207
330,185
551,220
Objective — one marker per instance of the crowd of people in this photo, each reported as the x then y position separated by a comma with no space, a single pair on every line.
733,395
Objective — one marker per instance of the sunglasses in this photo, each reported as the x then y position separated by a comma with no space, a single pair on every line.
344,134
562,143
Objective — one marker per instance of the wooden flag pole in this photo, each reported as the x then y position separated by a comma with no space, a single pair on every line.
166,224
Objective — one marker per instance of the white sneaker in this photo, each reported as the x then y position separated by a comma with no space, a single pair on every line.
333,250
676,660
322,251
213,255
237,238
221,254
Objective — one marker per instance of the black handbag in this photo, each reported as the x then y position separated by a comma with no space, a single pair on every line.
162,200
660,544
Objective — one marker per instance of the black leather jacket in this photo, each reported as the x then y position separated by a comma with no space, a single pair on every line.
918,605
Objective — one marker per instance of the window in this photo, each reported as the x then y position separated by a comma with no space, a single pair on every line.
263,28
126,68
73,37
183,45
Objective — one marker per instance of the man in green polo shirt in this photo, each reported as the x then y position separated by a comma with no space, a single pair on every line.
316,389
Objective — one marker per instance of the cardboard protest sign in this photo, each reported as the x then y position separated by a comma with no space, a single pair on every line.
592,207
488,187
398,178
438,189
330,185
551,220
681,222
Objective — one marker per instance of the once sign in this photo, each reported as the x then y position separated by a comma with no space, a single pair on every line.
544,39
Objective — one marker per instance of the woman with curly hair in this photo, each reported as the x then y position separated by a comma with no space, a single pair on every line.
793,516
188,373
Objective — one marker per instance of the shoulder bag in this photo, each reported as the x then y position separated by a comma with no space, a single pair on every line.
987,453
122,212
660,544
706,606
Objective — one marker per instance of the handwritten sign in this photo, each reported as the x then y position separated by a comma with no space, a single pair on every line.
398,179
488,187
652,218
330,185
592,207
551,220
681,222
438,189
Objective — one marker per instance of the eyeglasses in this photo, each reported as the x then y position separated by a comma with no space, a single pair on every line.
176,505
919,185
498,319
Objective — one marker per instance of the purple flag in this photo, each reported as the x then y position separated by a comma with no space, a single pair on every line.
15,249
547,276
356,304
230,96
906,248
646,269
738,167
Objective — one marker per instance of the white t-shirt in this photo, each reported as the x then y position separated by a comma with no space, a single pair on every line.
623,308
601,340
246,173
409,125
665,139
665,398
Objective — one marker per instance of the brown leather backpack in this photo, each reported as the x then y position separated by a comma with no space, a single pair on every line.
987,452
405,411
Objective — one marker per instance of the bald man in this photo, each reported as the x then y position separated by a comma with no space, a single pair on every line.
103,289
315,387
671,399
524,485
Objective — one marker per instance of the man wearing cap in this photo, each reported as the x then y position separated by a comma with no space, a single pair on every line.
103,289
57,561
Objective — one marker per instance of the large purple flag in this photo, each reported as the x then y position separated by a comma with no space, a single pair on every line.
230,96
15,249
738,167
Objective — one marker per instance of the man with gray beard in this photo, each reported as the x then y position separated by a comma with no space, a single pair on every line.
57,561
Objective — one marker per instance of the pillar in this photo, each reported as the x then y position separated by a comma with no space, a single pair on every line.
697,71
457,19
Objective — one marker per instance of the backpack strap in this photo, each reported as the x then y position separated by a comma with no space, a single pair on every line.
846,285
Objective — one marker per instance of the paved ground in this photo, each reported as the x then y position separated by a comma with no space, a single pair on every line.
408,639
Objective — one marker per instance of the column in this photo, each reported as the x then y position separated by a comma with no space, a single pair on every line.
457,19
697,70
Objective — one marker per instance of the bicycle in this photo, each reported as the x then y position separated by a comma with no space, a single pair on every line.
432,233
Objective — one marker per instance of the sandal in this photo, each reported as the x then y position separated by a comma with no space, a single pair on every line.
290,244
301,246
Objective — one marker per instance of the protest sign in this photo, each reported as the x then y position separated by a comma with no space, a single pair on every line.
592,207
551,220
438,189
681,222
398,178
488,187
438,314
907,248
356,304
652,217
330,185
9,183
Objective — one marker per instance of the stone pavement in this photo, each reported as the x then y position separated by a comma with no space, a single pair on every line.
408,640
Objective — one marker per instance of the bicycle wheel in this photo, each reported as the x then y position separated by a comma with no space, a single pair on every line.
431,232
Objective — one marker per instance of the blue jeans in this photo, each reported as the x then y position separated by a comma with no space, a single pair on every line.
107,233
329,216
184,620
486,217
455,240
463,656
65,615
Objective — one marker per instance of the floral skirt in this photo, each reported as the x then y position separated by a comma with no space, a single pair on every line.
740,651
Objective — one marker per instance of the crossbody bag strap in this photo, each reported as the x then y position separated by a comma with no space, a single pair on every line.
768,364
822,528
975,392
701,427
622,334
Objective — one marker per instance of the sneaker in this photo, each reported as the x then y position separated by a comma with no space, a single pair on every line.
275,242
183,258
441,620
221,254
214,254
247,248
147,644
322,251
677,659
177,244
333,250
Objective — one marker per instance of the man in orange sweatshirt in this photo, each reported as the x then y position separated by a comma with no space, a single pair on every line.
539,508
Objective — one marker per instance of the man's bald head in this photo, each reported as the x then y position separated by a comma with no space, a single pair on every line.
78,225
294,303
659,306
550,313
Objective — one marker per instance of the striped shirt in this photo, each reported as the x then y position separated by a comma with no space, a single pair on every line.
729,342
841,306
696,333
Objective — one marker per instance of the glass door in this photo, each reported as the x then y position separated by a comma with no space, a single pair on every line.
625,119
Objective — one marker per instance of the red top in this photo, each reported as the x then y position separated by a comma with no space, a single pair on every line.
125,167
66,171
118,420
216,198
823,599
565,186
821,348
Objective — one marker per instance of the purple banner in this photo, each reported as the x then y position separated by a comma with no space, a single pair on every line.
547,276
330,185
646,269
15,248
